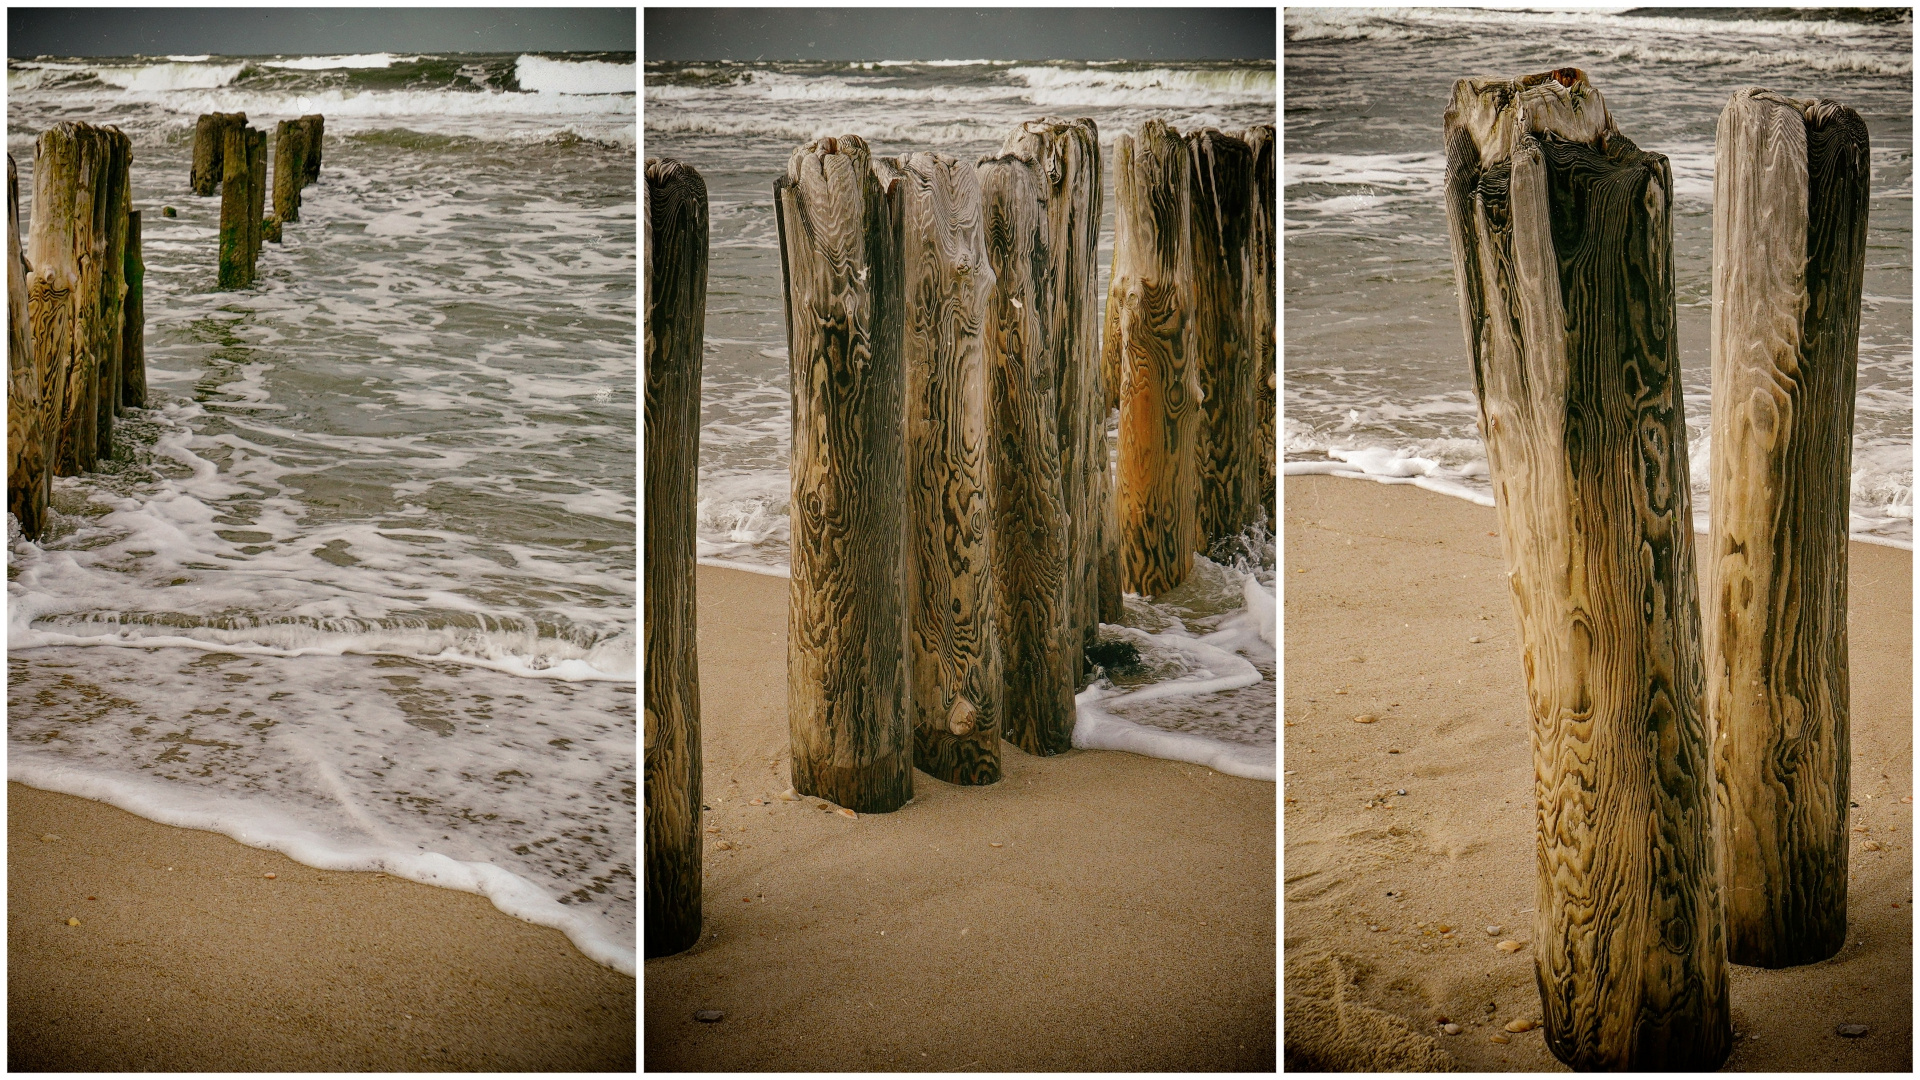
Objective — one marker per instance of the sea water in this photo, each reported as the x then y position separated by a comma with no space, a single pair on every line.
358,584
738,122
1376,376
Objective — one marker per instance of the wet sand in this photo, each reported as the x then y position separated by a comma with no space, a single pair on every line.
1402,579
1124,922
188,958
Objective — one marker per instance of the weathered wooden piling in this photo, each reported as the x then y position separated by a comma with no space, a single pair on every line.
291,144
1789,251
29,427
209,150
1150,304
952,651
316,130
847,685
1068,153
1562,248
1227,461
1264,302
1040,649
675,240
76,254
242,195
133,322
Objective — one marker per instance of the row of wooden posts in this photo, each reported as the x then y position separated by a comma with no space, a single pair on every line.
231,156
957,531
1691,774
76,318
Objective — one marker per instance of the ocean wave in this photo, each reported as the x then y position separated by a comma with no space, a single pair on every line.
172,76
1417,24
1153,86
1838,61
544,76
801,131
329,63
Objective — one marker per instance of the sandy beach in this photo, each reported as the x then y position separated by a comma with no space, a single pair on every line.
188,958
1096,910
1387,590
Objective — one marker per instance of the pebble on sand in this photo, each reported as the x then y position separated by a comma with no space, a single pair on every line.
788,795
1502,1039
1451,1029
1520,1025
1365,718
1850,1031
993,843
756,802
709,1016
48,838
723,845
1473,641
844,812
1509,946
270,877
1871,845
1493,931
76,922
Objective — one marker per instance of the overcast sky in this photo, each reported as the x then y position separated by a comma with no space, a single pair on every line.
949,34
314,31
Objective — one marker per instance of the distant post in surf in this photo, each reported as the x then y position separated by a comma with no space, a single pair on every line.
291,142
1789,250
1150,346
674,234
1562,246
209,150
243,185
847,685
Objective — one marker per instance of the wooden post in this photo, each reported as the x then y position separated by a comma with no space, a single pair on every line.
240,204
1227,461
952,651
75,248
257,159
1040,648
108,315
1264,301
29,427
133,322
847,689
1789,250
290,143
675,232
316,129
1150,304
1562,245
209,150
1068,153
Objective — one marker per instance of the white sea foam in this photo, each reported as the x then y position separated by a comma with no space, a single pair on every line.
190,59
546,76
1155,86
358,61
162,78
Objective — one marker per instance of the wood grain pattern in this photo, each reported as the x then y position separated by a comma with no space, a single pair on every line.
675,232
847,685
1563,257
290,143
1068,153
1265,301
133,322
1789,245
209,150
1227,460
239,208
1040,649
952,647
29,426
1150,314
75,251
107,317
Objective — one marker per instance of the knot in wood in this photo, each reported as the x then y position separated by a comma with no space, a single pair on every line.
962,717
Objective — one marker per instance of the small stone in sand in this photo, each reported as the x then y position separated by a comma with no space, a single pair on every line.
1365,718
76,922
1473,641
1871,845
270,877
1451,1029
844,812
992,843
756,802
48,838
1376,929
1850,1031
1509,946
1907,799
1343,690
1401,791
1445,929
788,795
1520,1025
1358,659
709,1016
1502,1039
723,845
1493,931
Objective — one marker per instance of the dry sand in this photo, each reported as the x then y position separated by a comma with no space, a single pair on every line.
188,958
1385,588
1126,921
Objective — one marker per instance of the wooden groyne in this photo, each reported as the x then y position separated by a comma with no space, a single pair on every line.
848,692
1068,156
1789,252
209,150
1040,649
1151,345
1562,245
242,197
290,147
674,232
